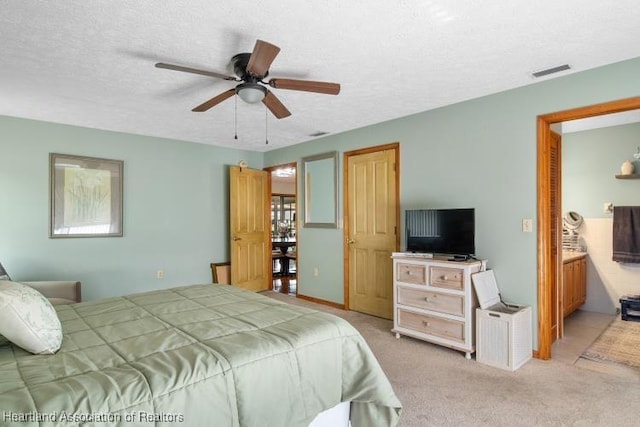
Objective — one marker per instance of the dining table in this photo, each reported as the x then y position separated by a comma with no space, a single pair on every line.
284,244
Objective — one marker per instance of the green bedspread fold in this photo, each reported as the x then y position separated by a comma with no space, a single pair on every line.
200,355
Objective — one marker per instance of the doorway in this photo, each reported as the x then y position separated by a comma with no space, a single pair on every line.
549,231
284,242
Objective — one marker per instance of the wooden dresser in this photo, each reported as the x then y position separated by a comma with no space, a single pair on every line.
434,300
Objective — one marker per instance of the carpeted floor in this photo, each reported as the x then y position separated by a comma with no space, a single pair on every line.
439,387
619,343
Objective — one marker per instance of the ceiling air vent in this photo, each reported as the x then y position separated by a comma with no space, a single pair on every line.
551,70
319,133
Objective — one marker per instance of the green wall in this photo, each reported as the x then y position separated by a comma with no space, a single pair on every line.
590,159
175,209
479,153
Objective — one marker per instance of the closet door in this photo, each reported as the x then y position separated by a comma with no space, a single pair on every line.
371,184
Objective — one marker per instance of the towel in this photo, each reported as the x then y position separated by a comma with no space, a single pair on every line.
626,234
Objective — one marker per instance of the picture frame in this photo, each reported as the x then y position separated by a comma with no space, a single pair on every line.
85,196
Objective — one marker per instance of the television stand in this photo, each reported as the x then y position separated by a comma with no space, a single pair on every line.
423,255
434,301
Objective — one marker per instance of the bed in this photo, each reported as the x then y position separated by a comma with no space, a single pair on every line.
199,355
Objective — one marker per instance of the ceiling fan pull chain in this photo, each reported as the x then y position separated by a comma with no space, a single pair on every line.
235,118
266,126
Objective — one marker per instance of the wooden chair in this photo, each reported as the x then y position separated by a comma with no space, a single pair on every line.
277,258
221,272
292,270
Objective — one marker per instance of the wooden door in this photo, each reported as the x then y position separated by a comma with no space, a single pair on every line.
568,285
371,209
249,228
581,282
555,208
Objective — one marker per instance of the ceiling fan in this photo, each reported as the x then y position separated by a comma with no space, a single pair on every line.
251,69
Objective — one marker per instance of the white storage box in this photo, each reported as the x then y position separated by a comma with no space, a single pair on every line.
503,331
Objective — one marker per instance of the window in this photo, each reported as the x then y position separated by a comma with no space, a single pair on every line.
283,214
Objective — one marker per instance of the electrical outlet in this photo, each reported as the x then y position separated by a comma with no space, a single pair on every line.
160,274
527,225
315,272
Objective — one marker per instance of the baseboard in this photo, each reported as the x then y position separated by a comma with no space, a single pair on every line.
321,301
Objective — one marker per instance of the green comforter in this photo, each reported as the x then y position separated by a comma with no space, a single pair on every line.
201,355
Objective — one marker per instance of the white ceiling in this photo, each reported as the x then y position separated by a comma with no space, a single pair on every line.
91,63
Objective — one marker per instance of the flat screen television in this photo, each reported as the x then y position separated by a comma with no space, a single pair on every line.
441,231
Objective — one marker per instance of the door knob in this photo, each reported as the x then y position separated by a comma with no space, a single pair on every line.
236,238
350,241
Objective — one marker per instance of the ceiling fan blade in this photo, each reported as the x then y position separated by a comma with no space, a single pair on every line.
275,106
306,85
194,71
261,58
215,100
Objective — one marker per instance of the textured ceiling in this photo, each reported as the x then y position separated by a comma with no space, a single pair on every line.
91,63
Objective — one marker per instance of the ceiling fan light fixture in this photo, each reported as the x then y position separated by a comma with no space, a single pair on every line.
251,93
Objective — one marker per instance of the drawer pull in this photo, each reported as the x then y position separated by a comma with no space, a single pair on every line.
425,323
426,299
444,278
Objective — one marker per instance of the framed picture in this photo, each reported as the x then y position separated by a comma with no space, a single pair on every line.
85,196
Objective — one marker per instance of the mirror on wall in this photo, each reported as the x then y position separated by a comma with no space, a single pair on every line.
320,175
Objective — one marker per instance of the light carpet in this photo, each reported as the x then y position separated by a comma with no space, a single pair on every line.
619,343
439,387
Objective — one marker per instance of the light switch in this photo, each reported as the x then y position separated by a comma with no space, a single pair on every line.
527,225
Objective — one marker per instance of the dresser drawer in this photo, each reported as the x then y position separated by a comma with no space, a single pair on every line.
445,328
446,277
442,303
412,273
